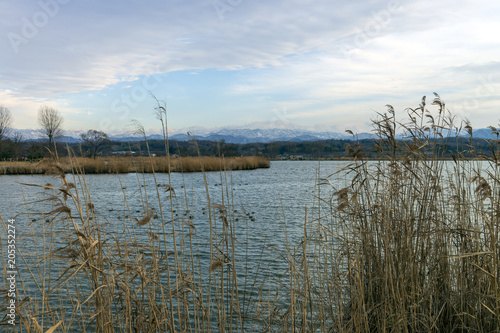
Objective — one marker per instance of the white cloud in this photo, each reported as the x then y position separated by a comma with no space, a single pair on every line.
25,109
350,54
87,46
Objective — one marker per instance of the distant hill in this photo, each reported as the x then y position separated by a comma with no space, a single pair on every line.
236,136
228,135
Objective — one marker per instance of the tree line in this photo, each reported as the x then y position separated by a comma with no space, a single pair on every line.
96,143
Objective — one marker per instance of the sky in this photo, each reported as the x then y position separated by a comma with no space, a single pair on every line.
318,65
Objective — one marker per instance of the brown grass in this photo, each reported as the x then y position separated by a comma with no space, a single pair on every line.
409,243
136,164
194,164
143,274
16,163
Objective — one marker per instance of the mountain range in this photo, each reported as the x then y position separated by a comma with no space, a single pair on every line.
231,135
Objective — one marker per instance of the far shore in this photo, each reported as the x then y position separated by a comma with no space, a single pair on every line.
107,165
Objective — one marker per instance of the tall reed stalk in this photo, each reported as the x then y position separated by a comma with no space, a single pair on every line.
410,242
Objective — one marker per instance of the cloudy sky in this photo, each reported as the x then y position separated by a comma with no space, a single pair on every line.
325,65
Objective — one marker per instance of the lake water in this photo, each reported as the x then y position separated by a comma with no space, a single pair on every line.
263,203
267,208
287,186
267,195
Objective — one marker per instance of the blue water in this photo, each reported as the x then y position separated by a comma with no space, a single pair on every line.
267,207
268,195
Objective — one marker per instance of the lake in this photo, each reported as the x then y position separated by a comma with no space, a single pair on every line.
226,251
262,204
281,191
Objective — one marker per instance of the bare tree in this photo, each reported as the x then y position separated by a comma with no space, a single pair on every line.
96,141
5,122
51,121
17,139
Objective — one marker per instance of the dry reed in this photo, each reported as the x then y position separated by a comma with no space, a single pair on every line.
137,164
410,243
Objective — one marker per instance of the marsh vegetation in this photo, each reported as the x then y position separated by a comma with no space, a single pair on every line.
113,165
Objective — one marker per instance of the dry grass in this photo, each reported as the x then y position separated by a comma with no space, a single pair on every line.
15,163
193,164
137,164
407,244
143,274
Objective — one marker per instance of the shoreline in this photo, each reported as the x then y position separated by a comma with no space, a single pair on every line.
123,165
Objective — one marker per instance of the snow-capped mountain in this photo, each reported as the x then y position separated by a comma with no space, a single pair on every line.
263,135
229,135
233,135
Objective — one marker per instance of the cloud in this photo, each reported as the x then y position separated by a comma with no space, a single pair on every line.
26,108
90,45
304,54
